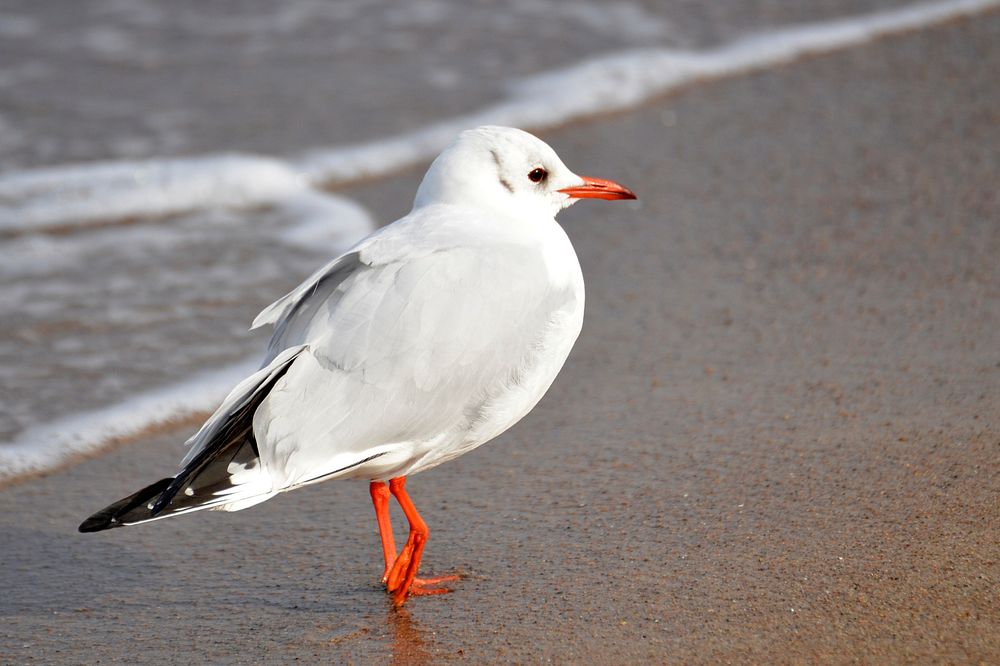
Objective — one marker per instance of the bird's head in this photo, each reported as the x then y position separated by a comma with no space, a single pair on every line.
510,170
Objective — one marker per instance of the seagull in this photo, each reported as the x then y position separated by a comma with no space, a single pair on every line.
425,340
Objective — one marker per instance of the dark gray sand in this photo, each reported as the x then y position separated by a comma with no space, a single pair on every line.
776,440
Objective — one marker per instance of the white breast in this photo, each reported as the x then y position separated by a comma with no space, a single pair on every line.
513,395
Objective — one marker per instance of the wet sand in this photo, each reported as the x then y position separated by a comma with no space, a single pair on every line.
775,441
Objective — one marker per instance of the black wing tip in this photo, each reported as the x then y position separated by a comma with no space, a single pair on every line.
112,516
151,501
98,522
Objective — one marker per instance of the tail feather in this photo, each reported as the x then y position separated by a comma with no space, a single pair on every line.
223,471
213,464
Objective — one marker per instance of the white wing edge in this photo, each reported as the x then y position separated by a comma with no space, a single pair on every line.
273,312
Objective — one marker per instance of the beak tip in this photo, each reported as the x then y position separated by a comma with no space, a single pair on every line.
598,188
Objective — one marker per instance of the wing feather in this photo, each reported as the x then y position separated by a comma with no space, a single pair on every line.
403,345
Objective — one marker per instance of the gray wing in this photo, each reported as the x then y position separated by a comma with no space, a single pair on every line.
290,313
415,236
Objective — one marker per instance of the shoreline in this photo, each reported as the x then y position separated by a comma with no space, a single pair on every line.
957,15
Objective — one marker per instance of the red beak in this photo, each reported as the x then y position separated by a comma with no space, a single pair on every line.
598,188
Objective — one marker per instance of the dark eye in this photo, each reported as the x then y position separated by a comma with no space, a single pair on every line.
538,175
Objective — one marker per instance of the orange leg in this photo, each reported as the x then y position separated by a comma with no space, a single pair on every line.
380,498
402,578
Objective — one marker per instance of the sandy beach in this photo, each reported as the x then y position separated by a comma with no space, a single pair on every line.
775,442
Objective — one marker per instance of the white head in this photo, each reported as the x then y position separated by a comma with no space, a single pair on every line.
508,170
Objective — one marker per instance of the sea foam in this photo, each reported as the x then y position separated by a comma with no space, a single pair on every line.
620,81
46,446
85,194
95,193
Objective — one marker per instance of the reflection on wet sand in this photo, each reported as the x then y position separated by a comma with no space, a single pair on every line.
410,644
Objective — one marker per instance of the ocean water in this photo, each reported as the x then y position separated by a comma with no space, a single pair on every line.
166,170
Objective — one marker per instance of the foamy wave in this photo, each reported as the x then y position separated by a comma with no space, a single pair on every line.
315,212
621,81
321,221
46,446
87,193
